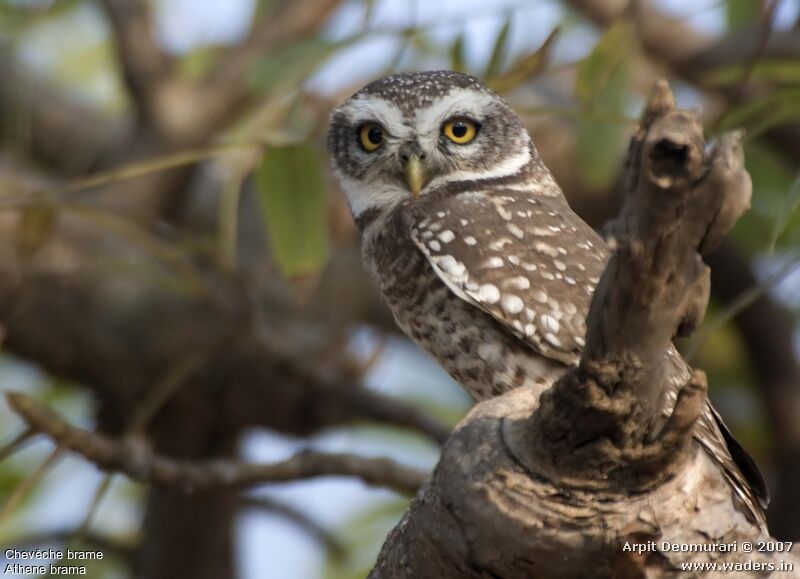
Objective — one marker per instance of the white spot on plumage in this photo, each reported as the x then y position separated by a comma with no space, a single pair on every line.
493,262
528,266
427,235
504,213
540,231
469,240
540,296
464,222
549,323
580,341
452,267
488,350
513,259
560,265
542,247
512,304
446,236
515,230
547,275
440,214
519,282
489,293
530,329
497,244
553,340
434,245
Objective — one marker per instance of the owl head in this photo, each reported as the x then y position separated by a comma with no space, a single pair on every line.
405,135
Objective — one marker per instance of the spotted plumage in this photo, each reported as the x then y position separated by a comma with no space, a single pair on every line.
477,252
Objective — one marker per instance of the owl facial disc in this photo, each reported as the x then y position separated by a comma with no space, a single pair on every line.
404,136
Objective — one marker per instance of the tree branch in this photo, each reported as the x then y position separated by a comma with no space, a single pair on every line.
680,205
220,96
133,458
269,505
144,64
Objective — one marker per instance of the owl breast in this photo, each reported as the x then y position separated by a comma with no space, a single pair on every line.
471,345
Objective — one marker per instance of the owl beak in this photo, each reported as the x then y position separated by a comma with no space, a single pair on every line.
415,175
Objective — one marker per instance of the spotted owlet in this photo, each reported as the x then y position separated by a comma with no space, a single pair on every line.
476,251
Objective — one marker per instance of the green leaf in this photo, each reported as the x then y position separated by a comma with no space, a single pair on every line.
369,13
782,71
606,58
772,177
35,228
791,203
527,67
602,89
291,65
758,108
291,187
499,51
741,12
457,58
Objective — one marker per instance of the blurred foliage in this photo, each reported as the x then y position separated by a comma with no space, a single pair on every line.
741,12
499,51
362,537
291,185
602,87
771,212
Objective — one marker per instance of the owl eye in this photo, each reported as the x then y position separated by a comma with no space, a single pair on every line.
370,136
459,130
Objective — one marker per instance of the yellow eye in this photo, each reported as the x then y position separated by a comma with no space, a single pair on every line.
370,136
459,130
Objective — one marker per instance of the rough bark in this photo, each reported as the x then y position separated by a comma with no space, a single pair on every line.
558,486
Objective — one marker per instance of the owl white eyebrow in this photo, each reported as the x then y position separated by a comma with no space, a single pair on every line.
365,109
461,101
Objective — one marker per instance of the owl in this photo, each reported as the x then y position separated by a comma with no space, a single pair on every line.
477,253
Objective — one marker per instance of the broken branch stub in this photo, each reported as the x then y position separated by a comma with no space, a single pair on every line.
683,198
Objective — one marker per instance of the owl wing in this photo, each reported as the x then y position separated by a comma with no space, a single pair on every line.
529,262
533,264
